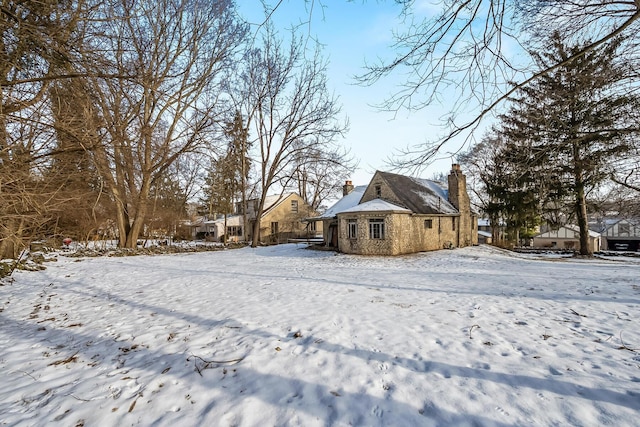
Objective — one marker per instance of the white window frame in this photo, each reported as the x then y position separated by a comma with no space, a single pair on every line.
352,229
376,229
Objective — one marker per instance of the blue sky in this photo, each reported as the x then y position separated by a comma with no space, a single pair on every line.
352,33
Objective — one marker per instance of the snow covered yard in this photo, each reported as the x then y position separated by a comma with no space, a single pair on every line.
285,336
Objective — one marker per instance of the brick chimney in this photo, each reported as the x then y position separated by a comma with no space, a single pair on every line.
347,188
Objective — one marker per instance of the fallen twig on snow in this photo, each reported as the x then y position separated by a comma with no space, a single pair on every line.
624,346
69,359
206,364
471,329
576,313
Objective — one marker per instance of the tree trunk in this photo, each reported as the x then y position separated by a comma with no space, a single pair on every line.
122,215
583,224
138,221
255,239
581,201
224,230
12,239
136,228
256,225
7,245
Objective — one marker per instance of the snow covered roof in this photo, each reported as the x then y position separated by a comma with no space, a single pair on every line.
421,196
610,222
270,202
417,195
484,222
231,220
376,205
350,200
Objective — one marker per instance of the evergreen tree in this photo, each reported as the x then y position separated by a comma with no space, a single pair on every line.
239,162
219,188
169,206
80,204
228,175
508,195
568,125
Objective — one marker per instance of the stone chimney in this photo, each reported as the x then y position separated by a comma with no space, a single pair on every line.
459,198
458,195
347,188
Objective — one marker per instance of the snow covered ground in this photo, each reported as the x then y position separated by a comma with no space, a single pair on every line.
284,336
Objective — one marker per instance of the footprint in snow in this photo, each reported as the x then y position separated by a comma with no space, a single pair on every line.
554,371
502,411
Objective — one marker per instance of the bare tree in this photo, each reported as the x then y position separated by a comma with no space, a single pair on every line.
36,45
472,50
320,174
169,56
288,107
467,51
484,171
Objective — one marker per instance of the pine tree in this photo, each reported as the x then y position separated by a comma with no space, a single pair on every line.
239,162
570,124
228,175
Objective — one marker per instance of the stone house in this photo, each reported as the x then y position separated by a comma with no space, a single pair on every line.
397,214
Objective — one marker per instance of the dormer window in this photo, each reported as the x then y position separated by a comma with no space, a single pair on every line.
378,191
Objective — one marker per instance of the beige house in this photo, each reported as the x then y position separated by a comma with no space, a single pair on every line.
566,237
397,214
282,219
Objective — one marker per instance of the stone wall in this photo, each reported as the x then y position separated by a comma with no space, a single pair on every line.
459,197
385,192
363,245
404,233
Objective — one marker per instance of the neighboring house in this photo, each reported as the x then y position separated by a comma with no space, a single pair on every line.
566,237
202,227
213,229
397,214
485,232
485,237
282,219
621,235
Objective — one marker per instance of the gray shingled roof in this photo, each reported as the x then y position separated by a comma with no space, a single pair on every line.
421,196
